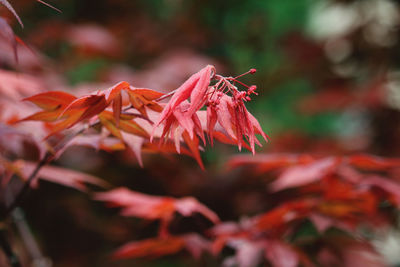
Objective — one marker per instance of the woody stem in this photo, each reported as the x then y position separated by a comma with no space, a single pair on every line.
18,198
44,161
6,247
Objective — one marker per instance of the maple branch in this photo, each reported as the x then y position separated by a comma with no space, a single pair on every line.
46,159
5,245
26,186
18,216
31,245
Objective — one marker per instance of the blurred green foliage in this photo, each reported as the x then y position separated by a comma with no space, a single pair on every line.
249,34
86,71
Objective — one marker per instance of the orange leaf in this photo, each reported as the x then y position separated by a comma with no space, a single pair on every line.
51,100
113,92
97,105
373,163
132,127
129,126
150,248
140,98
147,93
338,209
54,104
68,122
91,105
109,123
116,107
48,116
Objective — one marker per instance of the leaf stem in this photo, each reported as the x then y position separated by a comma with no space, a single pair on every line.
165,96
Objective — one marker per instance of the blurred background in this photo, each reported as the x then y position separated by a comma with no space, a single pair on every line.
328,79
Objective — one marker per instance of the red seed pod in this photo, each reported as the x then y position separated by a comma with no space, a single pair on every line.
252,71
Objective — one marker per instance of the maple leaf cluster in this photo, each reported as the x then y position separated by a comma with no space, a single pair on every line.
134,115
338,192
329,193
125,116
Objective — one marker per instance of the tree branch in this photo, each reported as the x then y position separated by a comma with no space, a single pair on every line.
31,245
25,188
46,159
5,245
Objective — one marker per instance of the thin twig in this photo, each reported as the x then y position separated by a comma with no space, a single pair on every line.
31,245
5,245
46,159
26,186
